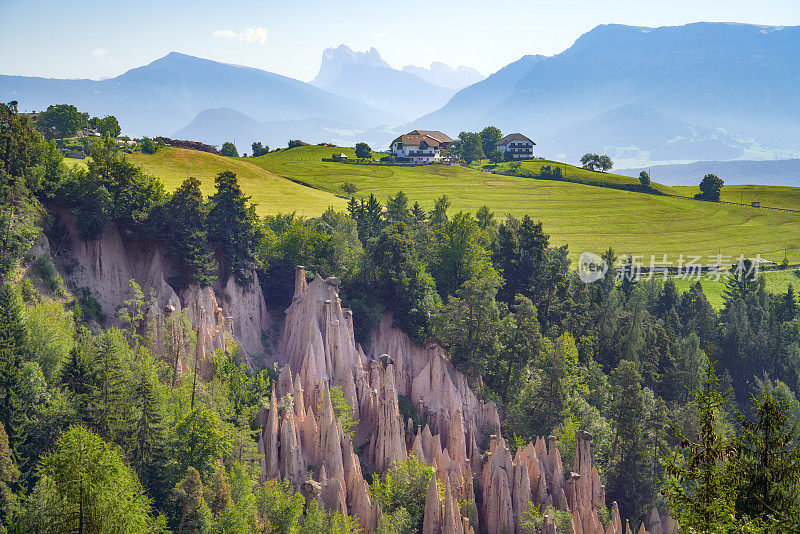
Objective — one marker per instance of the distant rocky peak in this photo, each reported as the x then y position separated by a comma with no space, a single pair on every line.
333,59
446,76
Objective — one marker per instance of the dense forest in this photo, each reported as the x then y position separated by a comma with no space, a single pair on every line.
692,409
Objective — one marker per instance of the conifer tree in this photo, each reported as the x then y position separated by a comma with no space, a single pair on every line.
147,448
85,487
184,225
699,482
630,480
220,491
195,514
397,209
232,225
12,346
770,463
110,397
9,475
788,308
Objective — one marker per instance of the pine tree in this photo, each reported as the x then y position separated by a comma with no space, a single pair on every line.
232,225
397,209
769,463
354,208
9,475
220,492
742,280
788,308
85,487
111,407
147,448
13,336
370,221
630,480
184,224
700,480
195,514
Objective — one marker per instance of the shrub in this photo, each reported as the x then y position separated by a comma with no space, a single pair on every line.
404,486
342,410
89,307
50,276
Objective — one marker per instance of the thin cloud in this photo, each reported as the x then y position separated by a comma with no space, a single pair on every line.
225,34
249,35
254,35
99,53
426,49
385,33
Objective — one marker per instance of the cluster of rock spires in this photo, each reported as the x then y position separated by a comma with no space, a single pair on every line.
304,442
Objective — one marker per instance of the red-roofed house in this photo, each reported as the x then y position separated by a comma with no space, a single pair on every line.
421,146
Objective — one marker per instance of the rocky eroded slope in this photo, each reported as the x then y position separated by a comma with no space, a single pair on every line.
317,349
304,442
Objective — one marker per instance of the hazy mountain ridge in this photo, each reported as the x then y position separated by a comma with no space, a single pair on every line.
333,59
739,172
408,93
403,93
168,93
446,76
215,126
736,77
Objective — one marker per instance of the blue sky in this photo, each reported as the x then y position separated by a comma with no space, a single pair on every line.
94,39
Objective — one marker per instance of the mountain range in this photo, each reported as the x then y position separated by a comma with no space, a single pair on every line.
644,96
167,94
733,83
739,172
409,93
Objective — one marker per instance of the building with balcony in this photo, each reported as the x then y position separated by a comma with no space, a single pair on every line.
421,146
515,146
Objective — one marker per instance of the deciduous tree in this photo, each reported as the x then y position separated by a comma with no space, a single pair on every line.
363,151
489,137
62,120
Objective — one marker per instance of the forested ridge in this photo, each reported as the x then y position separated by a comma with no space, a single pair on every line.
691,409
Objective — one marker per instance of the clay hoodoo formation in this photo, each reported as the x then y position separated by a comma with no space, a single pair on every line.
304,442
106,266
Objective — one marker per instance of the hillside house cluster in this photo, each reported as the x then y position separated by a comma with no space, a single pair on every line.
430,146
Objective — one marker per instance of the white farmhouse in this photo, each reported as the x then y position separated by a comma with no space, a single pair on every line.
515,146
421,146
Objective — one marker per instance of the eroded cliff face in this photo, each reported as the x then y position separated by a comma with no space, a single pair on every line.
304,442
106,265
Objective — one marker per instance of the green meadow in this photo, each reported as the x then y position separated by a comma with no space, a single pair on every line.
584,217
774,196
273,193
571,171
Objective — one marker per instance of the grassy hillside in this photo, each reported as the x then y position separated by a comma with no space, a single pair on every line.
775,196
585,217
272,193
571,171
